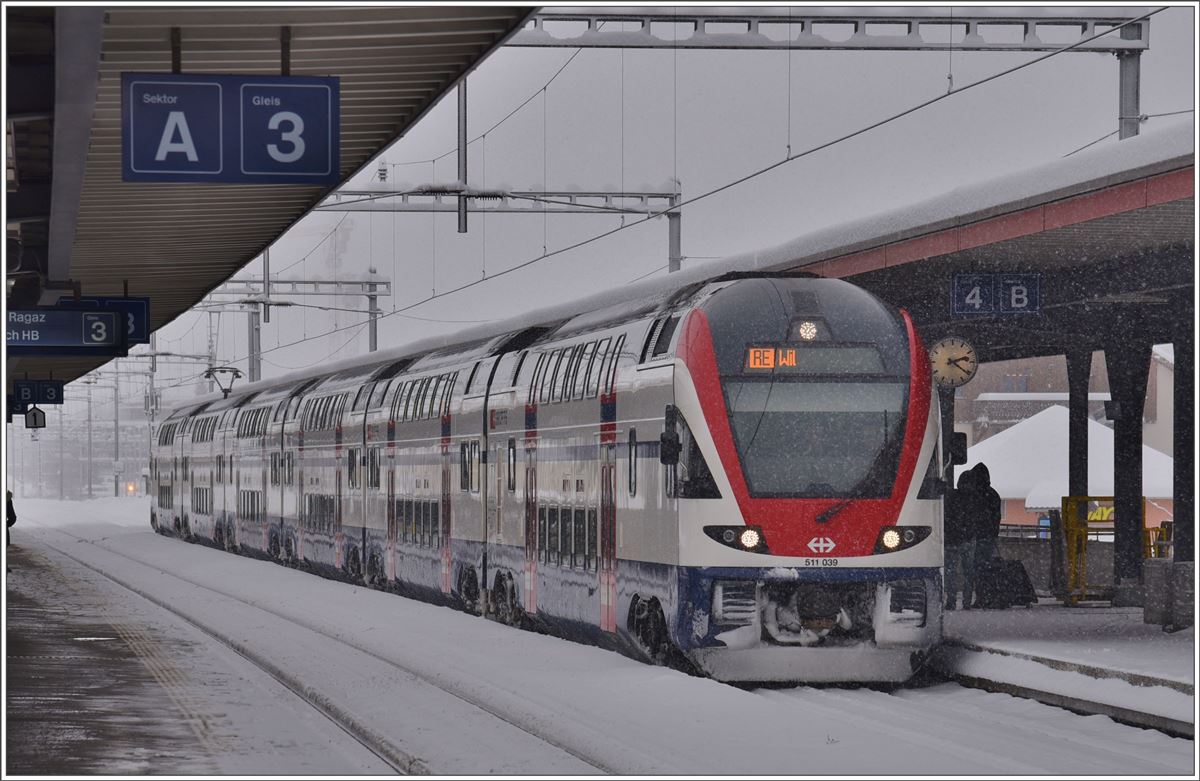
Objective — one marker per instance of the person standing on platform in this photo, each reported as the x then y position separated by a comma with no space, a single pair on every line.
12,518
985,518
959,542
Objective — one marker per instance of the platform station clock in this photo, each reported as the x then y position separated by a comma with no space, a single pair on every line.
954,361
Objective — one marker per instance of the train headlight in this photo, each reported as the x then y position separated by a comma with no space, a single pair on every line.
895,538
743,538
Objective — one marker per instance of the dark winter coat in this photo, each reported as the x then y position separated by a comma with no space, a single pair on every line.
958,524
985,504
12,514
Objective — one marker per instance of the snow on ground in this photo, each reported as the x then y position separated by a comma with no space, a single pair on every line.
621,715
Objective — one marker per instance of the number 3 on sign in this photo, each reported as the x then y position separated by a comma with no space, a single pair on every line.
99,331
291,136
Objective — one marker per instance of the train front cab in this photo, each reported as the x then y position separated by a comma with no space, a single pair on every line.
809,515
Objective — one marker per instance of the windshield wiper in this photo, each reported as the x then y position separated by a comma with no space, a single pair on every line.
834,510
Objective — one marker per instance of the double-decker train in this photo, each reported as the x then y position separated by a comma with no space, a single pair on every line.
740,474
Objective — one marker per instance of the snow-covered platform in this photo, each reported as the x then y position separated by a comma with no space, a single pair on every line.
1094,659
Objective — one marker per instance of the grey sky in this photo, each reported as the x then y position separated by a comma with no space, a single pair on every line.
709,117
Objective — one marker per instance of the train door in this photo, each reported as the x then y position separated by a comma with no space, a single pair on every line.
531,527
608,538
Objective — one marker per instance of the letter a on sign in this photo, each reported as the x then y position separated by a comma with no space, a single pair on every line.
176,123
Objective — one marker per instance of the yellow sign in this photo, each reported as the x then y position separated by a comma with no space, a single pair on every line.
768,358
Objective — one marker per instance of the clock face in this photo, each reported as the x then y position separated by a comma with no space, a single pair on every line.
954,361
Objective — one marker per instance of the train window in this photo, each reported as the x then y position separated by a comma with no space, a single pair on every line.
434,525
475,466
360,398
373,468
568,375
633,462
579,545
379,393
553,541
533,379
692,479
541,534
512,465
406,519
611,374
582,369
548,375
449,394
290,472
590,560
434,394
418,399
464,468
593,378
517,368
664,336
471,377
352,459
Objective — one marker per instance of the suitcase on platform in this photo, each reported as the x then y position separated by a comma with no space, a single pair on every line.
1001,583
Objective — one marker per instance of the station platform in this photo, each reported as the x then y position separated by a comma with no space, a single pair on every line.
1090,658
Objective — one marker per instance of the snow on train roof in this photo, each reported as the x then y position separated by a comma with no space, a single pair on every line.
1154,151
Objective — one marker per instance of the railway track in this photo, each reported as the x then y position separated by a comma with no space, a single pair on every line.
383,746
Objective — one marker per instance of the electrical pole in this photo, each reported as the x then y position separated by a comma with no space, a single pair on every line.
89,449
254,360
62,464
116,433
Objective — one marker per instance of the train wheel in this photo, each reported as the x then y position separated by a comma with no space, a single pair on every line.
468,590
504,597
650,628
374,570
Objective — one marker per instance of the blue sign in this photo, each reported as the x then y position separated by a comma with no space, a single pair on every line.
996,294
38,391
63,332
134,311
14,407
233,129
974,294
1020,294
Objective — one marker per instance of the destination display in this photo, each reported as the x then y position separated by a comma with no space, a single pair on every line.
229,128
808,358
63,332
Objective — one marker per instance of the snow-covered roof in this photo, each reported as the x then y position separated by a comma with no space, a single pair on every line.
1033,455
1154,151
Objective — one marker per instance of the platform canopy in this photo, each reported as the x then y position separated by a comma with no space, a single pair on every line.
71,218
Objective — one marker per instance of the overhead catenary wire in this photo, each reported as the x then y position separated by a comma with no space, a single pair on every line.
1142,118
759,172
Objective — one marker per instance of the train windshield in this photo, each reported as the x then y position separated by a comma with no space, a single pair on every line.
817,439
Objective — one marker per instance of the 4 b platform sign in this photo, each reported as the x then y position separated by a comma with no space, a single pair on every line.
230,129
996,294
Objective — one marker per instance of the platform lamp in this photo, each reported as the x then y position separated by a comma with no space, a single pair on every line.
215,373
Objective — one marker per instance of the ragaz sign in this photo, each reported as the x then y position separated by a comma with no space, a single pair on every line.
232,129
